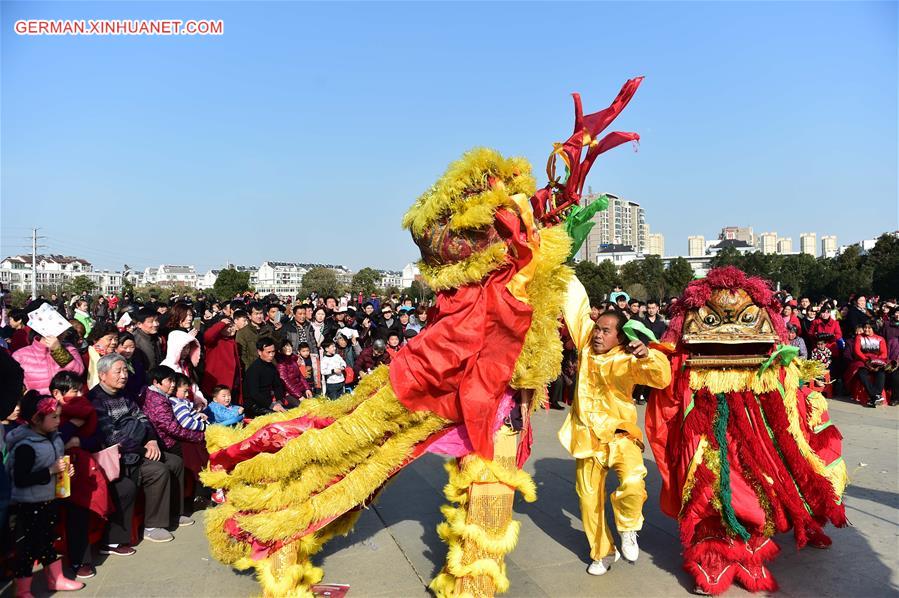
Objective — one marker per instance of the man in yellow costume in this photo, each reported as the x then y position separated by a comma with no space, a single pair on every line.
601,431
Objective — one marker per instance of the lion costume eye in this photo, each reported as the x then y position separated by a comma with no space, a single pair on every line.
748,317
712,320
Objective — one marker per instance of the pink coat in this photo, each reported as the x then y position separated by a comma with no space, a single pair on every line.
40,367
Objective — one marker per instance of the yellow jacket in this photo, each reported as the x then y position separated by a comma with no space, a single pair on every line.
605,383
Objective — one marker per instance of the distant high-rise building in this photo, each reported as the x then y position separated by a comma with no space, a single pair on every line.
622,223
828,245
695,246
785,245
656,245
767,242
807,243
737,233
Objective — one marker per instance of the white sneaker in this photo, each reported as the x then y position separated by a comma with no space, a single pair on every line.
601,567
629,547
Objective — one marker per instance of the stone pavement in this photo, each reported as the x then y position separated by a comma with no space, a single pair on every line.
395,551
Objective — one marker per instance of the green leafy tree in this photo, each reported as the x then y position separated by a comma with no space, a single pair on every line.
883,261
849,273
79,284
652,275
728,256
229,283
127,287
588,273
677,276
322,281
419,292
366,280
631,274
759,264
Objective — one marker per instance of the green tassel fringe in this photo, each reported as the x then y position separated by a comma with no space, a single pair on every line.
727,508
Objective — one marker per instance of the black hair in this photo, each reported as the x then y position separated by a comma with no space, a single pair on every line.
297,308
125,336
272,305
28,405
330,297
181,380
302,346
219,388
255,306
633,300
19,315
282,343
101,330
144,314
263,342
326,344
393,333
652,302
620,321
160,373
64,381
236,304
239,313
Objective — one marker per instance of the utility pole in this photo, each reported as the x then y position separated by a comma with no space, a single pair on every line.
34,239
33,264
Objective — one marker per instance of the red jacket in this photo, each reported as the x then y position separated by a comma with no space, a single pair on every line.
291,376
828,326
864,357
222,362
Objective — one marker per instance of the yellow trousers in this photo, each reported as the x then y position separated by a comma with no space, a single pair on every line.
625,457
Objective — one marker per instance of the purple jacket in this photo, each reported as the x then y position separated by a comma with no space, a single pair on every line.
159,411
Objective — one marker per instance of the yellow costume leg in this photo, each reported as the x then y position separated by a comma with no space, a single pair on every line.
480,531
590,481
626,458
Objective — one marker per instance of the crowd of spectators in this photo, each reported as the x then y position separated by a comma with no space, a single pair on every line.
127,392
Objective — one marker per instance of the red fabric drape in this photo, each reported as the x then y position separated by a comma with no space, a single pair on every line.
460,365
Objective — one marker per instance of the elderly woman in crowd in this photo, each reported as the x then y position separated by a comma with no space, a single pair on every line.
103,339
159,474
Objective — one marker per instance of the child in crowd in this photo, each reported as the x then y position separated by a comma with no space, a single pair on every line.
393,344
183,406
221,411
35,462
307,367
90,493
822,353
332,367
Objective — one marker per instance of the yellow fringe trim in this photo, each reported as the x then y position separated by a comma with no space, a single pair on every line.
453,189
356,486
540,361
837,475
467,271
810,369
734,380
455,531
691,472
366,425
223,436
478,210
817,408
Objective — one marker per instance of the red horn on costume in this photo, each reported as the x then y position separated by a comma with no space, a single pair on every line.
550,202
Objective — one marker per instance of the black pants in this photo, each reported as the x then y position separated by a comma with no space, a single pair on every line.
123,493
34,535
873,381
163,485
893,382
77,528
334,391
